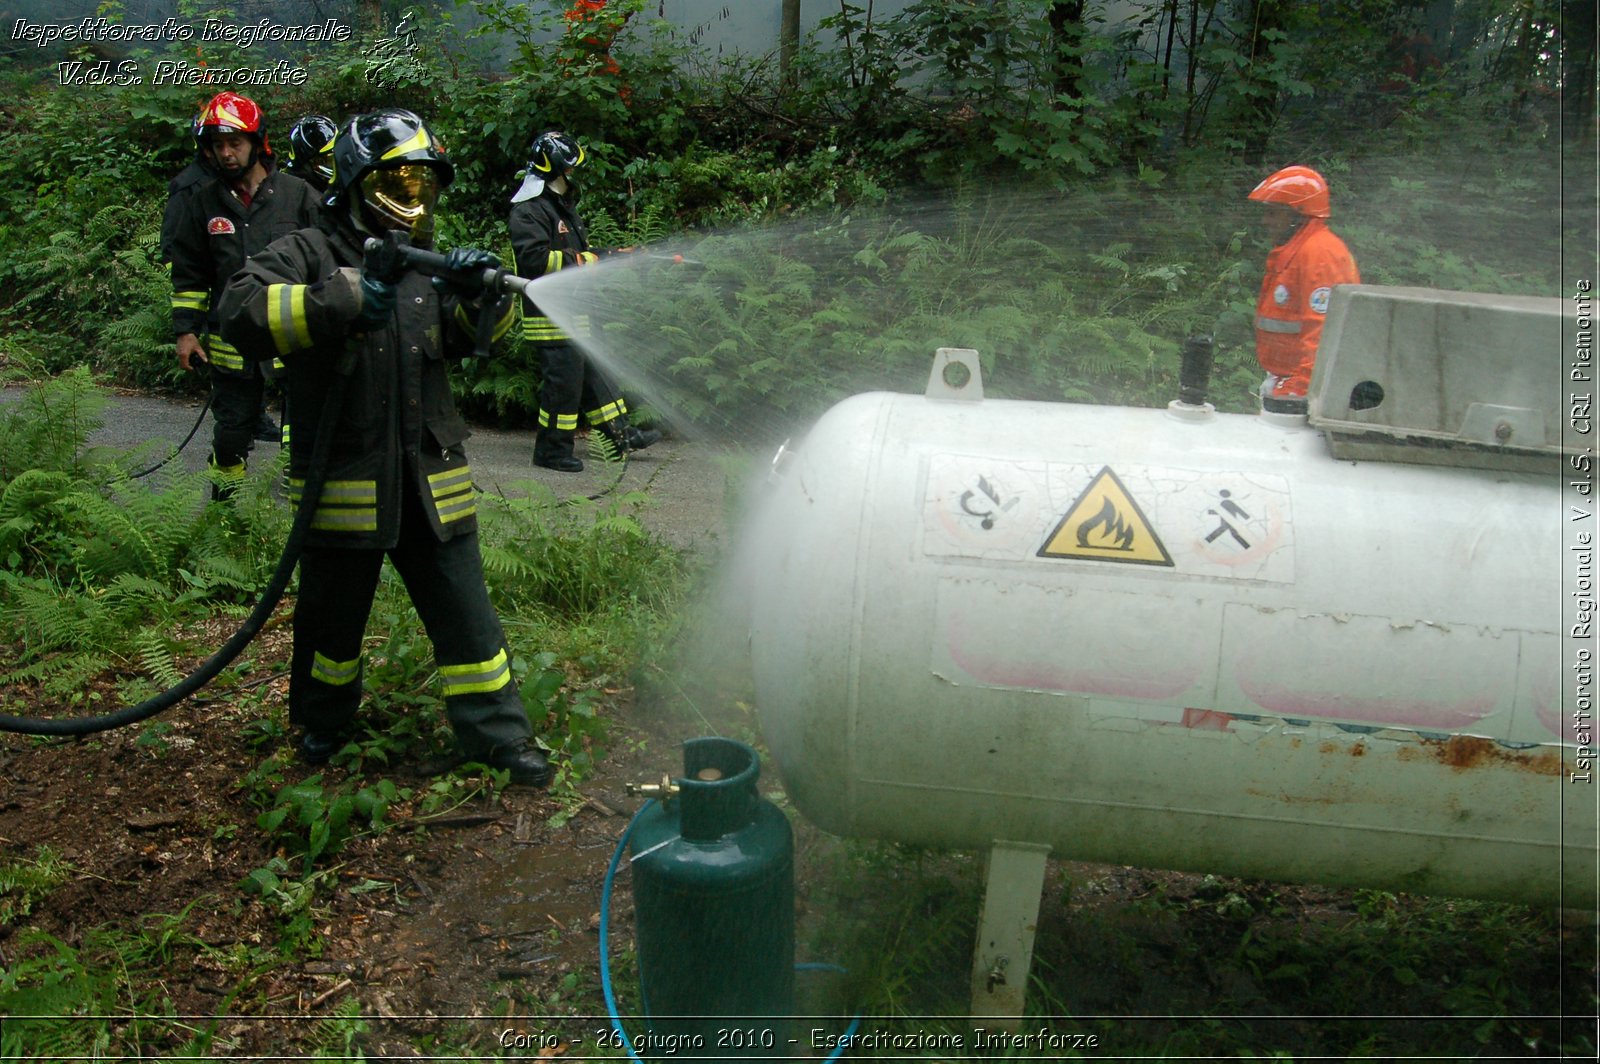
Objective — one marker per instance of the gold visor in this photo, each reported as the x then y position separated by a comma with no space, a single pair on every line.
403,197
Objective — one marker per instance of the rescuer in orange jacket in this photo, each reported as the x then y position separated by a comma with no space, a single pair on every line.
1306,261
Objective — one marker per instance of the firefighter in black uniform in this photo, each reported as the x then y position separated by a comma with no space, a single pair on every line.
182,184
398,481
244,208
547,235
311,150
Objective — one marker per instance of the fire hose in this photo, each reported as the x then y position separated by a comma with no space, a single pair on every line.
224,655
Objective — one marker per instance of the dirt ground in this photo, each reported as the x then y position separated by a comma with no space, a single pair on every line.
158,827
488,910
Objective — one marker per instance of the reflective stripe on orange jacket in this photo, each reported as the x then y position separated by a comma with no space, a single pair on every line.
1294,302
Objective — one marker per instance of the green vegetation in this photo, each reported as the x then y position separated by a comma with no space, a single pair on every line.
1062,192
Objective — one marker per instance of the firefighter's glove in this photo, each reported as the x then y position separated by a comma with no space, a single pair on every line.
464,272
377,301
385,262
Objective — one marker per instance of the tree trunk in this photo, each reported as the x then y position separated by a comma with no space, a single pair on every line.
1066,37
788,42
1577,71
1260,109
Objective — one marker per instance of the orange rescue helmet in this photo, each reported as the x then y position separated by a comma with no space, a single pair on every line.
1298,187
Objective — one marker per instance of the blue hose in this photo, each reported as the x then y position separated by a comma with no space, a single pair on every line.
605,952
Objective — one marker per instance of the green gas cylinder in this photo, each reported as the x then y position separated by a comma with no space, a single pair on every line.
712,867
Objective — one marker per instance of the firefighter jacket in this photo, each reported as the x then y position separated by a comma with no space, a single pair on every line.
178,191
1293,302
398,430
547,235
217,233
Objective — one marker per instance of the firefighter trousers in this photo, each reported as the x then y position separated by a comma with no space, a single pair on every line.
569,384
235,409
445,581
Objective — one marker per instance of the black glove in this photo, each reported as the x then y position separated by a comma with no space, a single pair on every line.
465,276
382,266
377,300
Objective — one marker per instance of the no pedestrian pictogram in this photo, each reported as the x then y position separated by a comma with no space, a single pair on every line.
1105,524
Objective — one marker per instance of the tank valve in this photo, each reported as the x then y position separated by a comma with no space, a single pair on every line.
663,790
1194,373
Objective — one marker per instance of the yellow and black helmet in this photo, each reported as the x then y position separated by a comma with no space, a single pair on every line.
388,169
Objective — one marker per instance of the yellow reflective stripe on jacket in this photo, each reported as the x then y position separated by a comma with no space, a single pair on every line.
609,412
200,301
588,258
224,355
538,327
553,261
452,494
345,506
337,673
478,677
286,317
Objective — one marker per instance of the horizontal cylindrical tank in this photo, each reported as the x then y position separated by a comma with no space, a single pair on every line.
1173,639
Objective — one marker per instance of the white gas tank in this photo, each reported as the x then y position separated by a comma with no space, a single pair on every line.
1168,638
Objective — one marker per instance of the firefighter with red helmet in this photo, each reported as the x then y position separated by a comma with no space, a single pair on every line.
398,483
244,207
547,235
1305,263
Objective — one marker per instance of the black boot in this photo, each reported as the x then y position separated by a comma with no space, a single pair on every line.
638,439
526,763
625,437
554,451
316,747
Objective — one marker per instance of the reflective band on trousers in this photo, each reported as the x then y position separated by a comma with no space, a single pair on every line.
336,673
563,422
478,678
1276,325
609,412
453,498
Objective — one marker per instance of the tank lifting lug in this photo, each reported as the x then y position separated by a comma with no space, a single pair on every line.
665,790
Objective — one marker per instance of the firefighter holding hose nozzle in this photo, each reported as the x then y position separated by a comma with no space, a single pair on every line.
398,483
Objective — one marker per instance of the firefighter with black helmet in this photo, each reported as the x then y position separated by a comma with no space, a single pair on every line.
399,483
548,235
311,150
247,205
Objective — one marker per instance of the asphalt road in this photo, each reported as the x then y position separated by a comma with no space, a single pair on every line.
683,480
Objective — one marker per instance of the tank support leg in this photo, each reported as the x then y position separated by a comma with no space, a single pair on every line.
1010,918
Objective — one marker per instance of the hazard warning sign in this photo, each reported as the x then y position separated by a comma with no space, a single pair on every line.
1105,524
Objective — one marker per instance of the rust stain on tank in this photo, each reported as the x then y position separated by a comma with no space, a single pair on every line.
1358,750
1462,752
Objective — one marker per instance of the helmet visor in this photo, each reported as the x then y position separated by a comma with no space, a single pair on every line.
403,198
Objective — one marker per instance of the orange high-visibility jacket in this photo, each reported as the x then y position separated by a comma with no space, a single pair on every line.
1294,302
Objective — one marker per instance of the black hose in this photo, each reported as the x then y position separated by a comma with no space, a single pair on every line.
208,669
181,446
